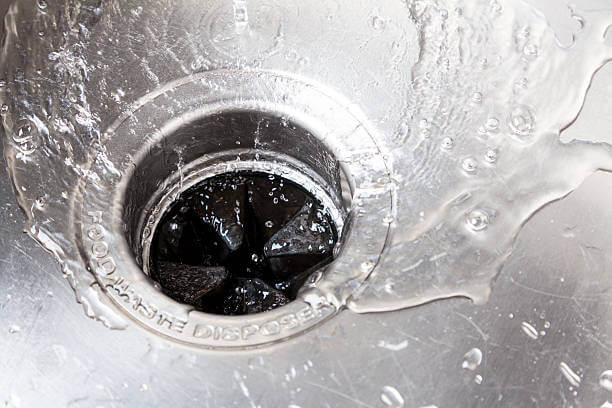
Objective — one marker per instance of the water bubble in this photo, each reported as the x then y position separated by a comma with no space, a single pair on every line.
491,156
521,121
496,8
447,143
391,397
472,359
478,379
530,51
378,23
269,224
484,63
569,374
367,266
40,202
492,124
529,330
24,131
469,165
605,380
136,12
477,220
547,324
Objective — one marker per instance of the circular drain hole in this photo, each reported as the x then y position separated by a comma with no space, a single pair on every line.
245,123
240,243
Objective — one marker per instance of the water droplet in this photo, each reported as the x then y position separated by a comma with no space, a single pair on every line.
521,121
491,156
40,202
478,220
478,379
24,131
14,329
4,108
477,97
529,330
388,219
511,316
378,23
447,143
605,380
136,12
530,51
492,124
391,397
469,165
146,232
367,265
569,374
269,224
254,258
42,4
496,8
547,324
472,359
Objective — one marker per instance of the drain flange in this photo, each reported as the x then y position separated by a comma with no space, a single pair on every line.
223,122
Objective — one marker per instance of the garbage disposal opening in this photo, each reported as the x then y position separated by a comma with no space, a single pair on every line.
231,213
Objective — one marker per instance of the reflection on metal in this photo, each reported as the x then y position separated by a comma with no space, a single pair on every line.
428,159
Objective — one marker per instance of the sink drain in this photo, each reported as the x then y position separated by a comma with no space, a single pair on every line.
224,271
240,243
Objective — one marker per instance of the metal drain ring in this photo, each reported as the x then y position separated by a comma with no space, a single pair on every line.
153,122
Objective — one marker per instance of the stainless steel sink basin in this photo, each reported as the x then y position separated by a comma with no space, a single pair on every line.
472,265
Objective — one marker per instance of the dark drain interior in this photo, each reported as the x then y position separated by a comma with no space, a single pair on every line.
240,243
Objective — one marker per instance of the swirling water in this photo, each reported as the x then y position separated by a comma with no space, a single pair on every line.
470,100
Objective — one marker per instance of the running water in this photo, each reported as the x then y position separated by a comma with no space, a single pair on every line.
485,88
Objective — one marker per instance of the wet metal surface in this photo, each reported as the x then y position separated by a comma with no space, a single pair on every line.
543,339
557,280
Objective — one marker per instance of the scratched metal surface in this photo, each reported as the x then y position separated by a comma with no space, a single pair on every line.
557,280
52,354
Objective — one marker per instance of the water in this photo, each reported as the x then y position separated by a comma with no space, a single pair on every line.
569,374
529,330
465,121
605,380
391,397
472,359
